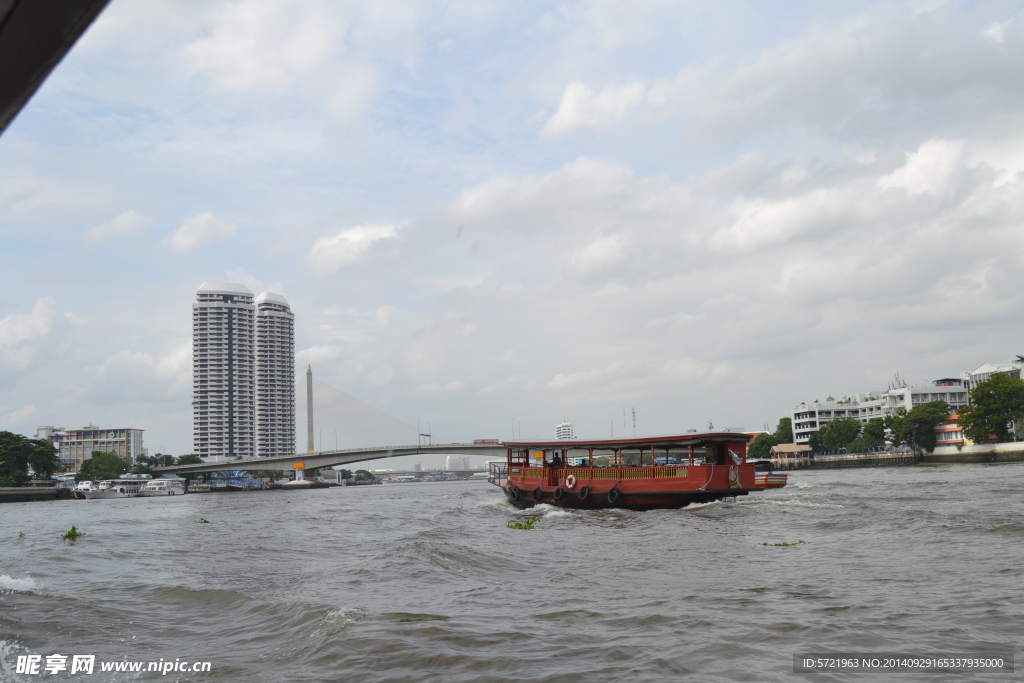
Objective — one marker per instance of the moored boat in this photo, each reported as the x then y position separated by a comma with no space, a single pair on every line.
127,486
770,480
666,472
164,486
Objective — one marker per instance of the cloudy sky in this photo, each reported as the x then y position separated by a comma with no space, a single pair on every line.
484,212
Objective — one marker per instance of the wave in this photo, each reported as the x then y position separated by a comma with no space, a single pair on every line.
9,583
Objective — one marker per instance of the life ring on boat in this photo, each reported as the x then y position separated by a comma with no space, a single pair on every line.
538,495
613,495
584,492
570,481
514,493
559,493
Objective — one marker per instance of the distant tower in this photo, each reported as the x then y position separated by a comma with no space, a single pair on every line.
564,431
309,408
223,371
275,376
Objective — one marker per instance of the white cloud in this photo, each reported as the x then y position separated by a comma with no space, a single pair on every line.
330,254
994,32
22,416
199,230
929,170
255,285
18,329
125,224
581,108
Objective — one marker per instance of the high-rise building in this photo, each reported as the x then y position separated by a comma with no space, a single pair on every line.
564,431
223,371
275,376
457,463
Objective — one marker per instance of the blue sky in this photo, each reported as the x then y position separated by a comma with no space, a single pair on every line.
483,212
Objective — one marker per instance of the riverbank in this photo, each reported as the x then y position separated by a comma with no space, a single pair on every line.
988,453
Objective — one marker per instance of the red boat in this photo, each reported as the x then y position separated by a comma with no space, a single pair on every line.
670,472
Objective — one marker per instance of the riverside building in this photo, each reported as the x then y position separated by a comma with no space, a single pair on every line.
564,431
77,445
809,418
223,372
275,376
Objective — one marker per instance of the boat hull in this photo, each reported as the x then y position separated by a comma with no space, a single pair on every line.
626,500
103,495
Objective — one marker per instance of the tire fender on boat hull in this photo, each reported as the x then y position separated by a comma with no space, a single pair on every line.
613,495
584,492
538,495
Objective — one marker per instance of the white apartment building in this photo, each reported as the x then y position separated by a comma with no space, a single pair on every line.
275,376
77,445
564,431
223,371
809,418
972,378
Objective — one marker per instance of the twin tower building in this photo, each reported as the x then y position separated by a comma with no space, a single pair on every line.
243,373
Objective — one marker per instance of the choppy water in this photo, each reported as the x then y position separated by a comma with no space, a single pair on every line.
424,582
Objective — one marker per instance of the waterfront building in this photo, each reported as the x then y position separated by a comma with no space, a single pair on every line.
223,372
809,418
457,462
77,445
564,431
948,433
972,378
275,376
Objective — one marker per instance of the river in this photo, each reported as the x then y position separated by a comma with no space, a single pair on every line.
425,582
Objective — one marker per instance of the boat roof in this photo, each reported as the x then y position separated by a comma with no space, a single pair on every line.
635,442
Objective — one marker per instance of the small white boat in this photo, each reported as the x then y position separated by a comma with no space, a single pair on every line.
163,487
128,486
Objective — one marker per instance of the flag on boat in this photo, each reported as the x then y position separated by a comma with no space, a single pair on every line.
735,457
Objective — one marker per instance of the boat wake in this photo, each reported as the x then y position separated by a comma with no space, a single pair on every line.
25,585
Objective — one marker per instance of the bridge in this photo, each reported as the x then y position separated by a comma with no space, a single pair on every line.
316,461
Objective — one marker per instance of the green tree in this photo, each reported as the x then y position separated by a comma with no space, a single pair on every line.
103,465
190,459
917,427
18,453
840,433
761,447
363,475
345,474
995,404
873,433
143,465
816,442
784,431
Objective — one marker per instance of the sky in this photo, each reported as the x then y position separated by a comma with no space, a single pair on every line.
493,216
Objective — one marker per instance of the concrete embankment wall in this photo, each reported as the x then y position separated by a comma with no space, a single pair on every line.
853,460
997,452
27,494
1003,452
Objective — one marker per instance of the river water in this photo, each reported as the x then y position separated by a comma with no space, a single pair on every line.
425,582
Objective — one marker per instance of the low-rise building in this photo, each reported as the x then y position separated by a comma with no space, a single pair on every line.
77,445
809,418
949,433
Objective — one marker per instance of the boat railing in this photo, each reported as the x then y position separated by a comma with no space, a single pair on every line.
498,474
617,473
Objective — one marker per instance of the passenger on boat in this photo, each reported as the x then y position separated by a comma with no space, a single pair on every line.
556,461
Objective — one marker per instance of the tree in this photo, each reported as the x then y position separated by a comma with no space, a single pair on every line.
917,427
784,431
840,433
163,460
143,465
190,459
103,465
995,404
18,453
761,447
816,442
873,433
345,474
